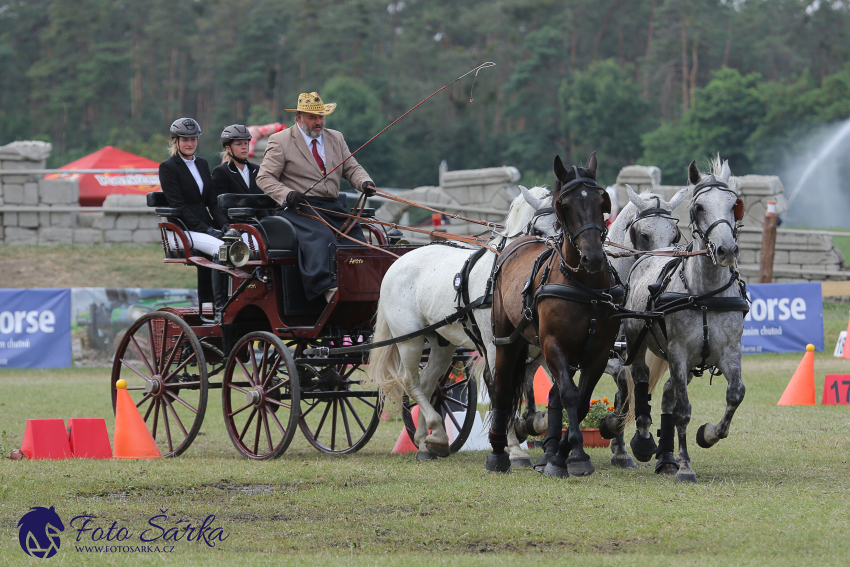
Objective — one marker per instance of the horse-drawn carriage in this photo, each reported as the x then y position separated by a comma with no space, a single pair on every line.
269,344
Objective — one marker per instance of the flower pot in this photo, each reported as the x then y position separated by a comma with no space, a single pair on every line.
592,438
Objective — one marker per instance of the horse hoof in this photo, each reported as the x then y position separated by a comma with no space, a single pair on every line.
666,464
498,463
686,476
704,442
541,463
623,461
607,432
522,463
581,468
439,449
552,469
426,456
643,448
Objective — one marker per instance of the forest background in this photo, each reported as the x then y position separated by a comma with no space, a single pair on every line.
657,82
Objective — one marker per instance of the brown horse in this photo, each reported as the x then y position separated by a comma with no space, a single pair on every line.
565,289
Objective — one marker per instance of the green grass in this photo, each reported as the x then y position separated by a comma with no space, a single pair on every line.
774,493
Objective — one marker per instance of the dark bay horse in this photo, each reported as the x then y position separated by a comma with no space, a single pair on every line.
557,293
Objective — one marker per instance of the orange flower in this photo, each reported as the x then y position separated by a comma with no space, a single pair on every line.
593,402
605,400
610,408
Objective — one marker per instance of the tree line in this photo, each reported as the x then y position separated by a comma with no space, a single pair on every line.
639,81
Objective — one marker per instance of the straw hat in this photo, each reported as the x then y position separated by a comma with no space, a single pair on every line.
312,104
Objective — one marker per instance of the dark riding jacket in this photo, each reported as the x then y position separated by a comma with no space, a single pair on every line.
226,178
199,211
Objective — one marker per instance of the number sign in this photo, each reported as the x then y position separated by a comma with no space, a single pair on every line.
836,390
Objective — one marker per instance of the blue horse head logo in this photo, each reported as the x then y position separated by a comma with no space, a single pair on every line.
39,532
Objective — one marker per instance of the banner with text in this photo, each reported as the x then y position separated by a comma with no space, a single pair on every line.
783,318
35,328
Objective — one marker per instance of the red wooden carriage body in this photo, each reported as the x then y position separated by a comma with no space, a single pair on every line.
264,343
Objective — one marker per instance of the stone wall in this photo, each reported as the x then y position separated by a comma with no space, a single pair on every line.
801,255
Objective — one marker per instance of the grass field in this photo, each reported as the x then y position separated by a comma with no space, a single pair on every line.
774,493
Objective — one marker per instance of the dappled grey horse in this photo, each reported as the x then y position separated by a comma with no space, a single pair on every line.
703,302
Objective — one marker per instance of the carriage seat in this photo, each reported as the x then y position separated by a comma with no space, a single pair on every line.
160,204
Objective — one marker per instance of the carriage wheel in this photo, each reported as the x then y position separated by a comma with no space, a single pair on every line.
260,396
161,359
338,415
456,396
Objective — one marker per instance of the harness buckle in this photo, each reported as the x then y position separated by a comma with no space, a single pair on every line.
528,313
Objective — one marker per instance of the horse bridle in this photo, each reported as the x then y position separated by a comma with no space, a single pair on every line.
703,187
656,212
579,181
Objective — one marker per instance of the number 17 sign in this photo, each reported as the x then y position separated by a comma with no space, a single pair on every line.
836,390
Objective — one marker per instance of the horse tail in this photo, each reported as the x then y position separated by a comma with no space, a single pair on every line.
657,367
629,417
517,388
385,369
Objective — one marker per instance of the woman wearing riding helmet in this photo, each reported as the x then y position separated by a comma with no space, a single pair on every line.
236,174
187,185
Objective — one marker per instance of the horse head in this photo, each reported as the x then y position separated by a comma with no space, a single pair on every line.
579,204
715,211
652,226
532,213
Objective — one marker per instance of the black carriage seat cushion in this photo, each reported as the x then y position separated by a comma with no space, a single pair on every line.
239,200
157,199
282,235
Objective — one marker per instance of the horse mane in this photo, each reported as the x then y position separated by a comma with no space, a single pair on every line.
520,212
716,169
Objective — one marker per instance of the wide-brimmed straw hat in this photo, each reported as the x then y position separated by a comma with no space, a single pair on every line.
312,104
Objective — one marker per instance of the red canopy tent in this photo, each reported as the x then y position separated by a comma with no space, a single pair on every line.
94,187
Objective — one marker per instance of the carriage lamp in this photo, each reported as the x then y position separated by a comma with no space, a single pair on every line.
394,236
233,252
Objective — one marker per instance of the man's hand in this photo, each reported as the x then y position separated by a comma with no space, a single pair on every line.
368,188
215,232
294,199
225,227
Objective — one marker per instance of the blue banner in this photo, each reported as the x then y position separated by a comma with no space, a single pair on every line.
35,328
783,318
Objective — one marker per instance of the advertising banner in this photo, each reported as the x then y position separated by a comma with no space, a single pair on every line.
783,318
35,328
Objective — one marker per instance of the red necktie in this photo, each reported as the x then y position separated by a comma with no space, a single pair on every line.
318,158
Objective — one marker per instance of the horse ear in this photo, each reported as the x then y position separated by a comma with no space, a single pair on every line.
693,173
591,165
726,172
678,198
635,198
560,170
606,202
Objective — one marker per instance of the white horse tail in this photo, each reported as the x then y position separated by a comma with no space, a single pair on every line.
657,368
629,418
385,368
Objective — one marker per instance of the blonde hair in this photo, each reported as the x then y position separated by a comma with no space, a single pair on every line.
226,157
172,147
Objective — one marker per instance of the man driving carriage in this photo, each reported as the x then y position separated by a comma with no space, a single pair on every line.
295,160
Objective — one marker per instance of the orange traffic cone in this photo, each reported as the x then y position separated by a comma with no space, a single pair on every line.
404,443
846,352
801,388
542,385
132,439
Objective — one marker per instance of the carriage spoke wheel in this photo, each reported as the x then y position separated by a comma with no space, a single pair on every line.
163,363
338,414
455,398
260,396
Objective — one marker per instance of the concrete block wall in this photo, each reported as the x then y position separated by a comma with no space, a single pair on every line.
801,255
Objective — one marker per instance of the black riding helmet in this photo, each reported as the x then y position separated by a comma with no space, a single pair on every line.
185,128
234,132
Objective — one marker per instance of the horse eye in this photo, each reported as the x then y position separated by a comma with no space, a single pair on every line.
699,208
643,236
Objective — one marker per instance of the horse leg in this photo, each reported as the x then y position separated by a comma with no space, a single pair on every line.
521,429
502,403
709,434
439,361
666,463
642,444
614,423
680,376
410,353
554,427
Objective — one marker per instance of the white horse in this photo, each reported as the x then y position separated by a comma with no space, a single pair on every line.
418,291
706,333
645,223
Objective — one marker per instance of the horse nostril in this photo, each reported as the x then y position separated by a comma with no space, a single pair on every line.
721,250
735,250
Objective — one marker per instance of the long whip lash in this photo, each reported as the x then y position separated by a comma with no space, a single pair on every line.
474,70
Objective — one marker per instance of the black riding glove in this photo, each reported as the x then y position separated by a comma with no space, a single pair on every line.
368,188
215,232
225,227
294,199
